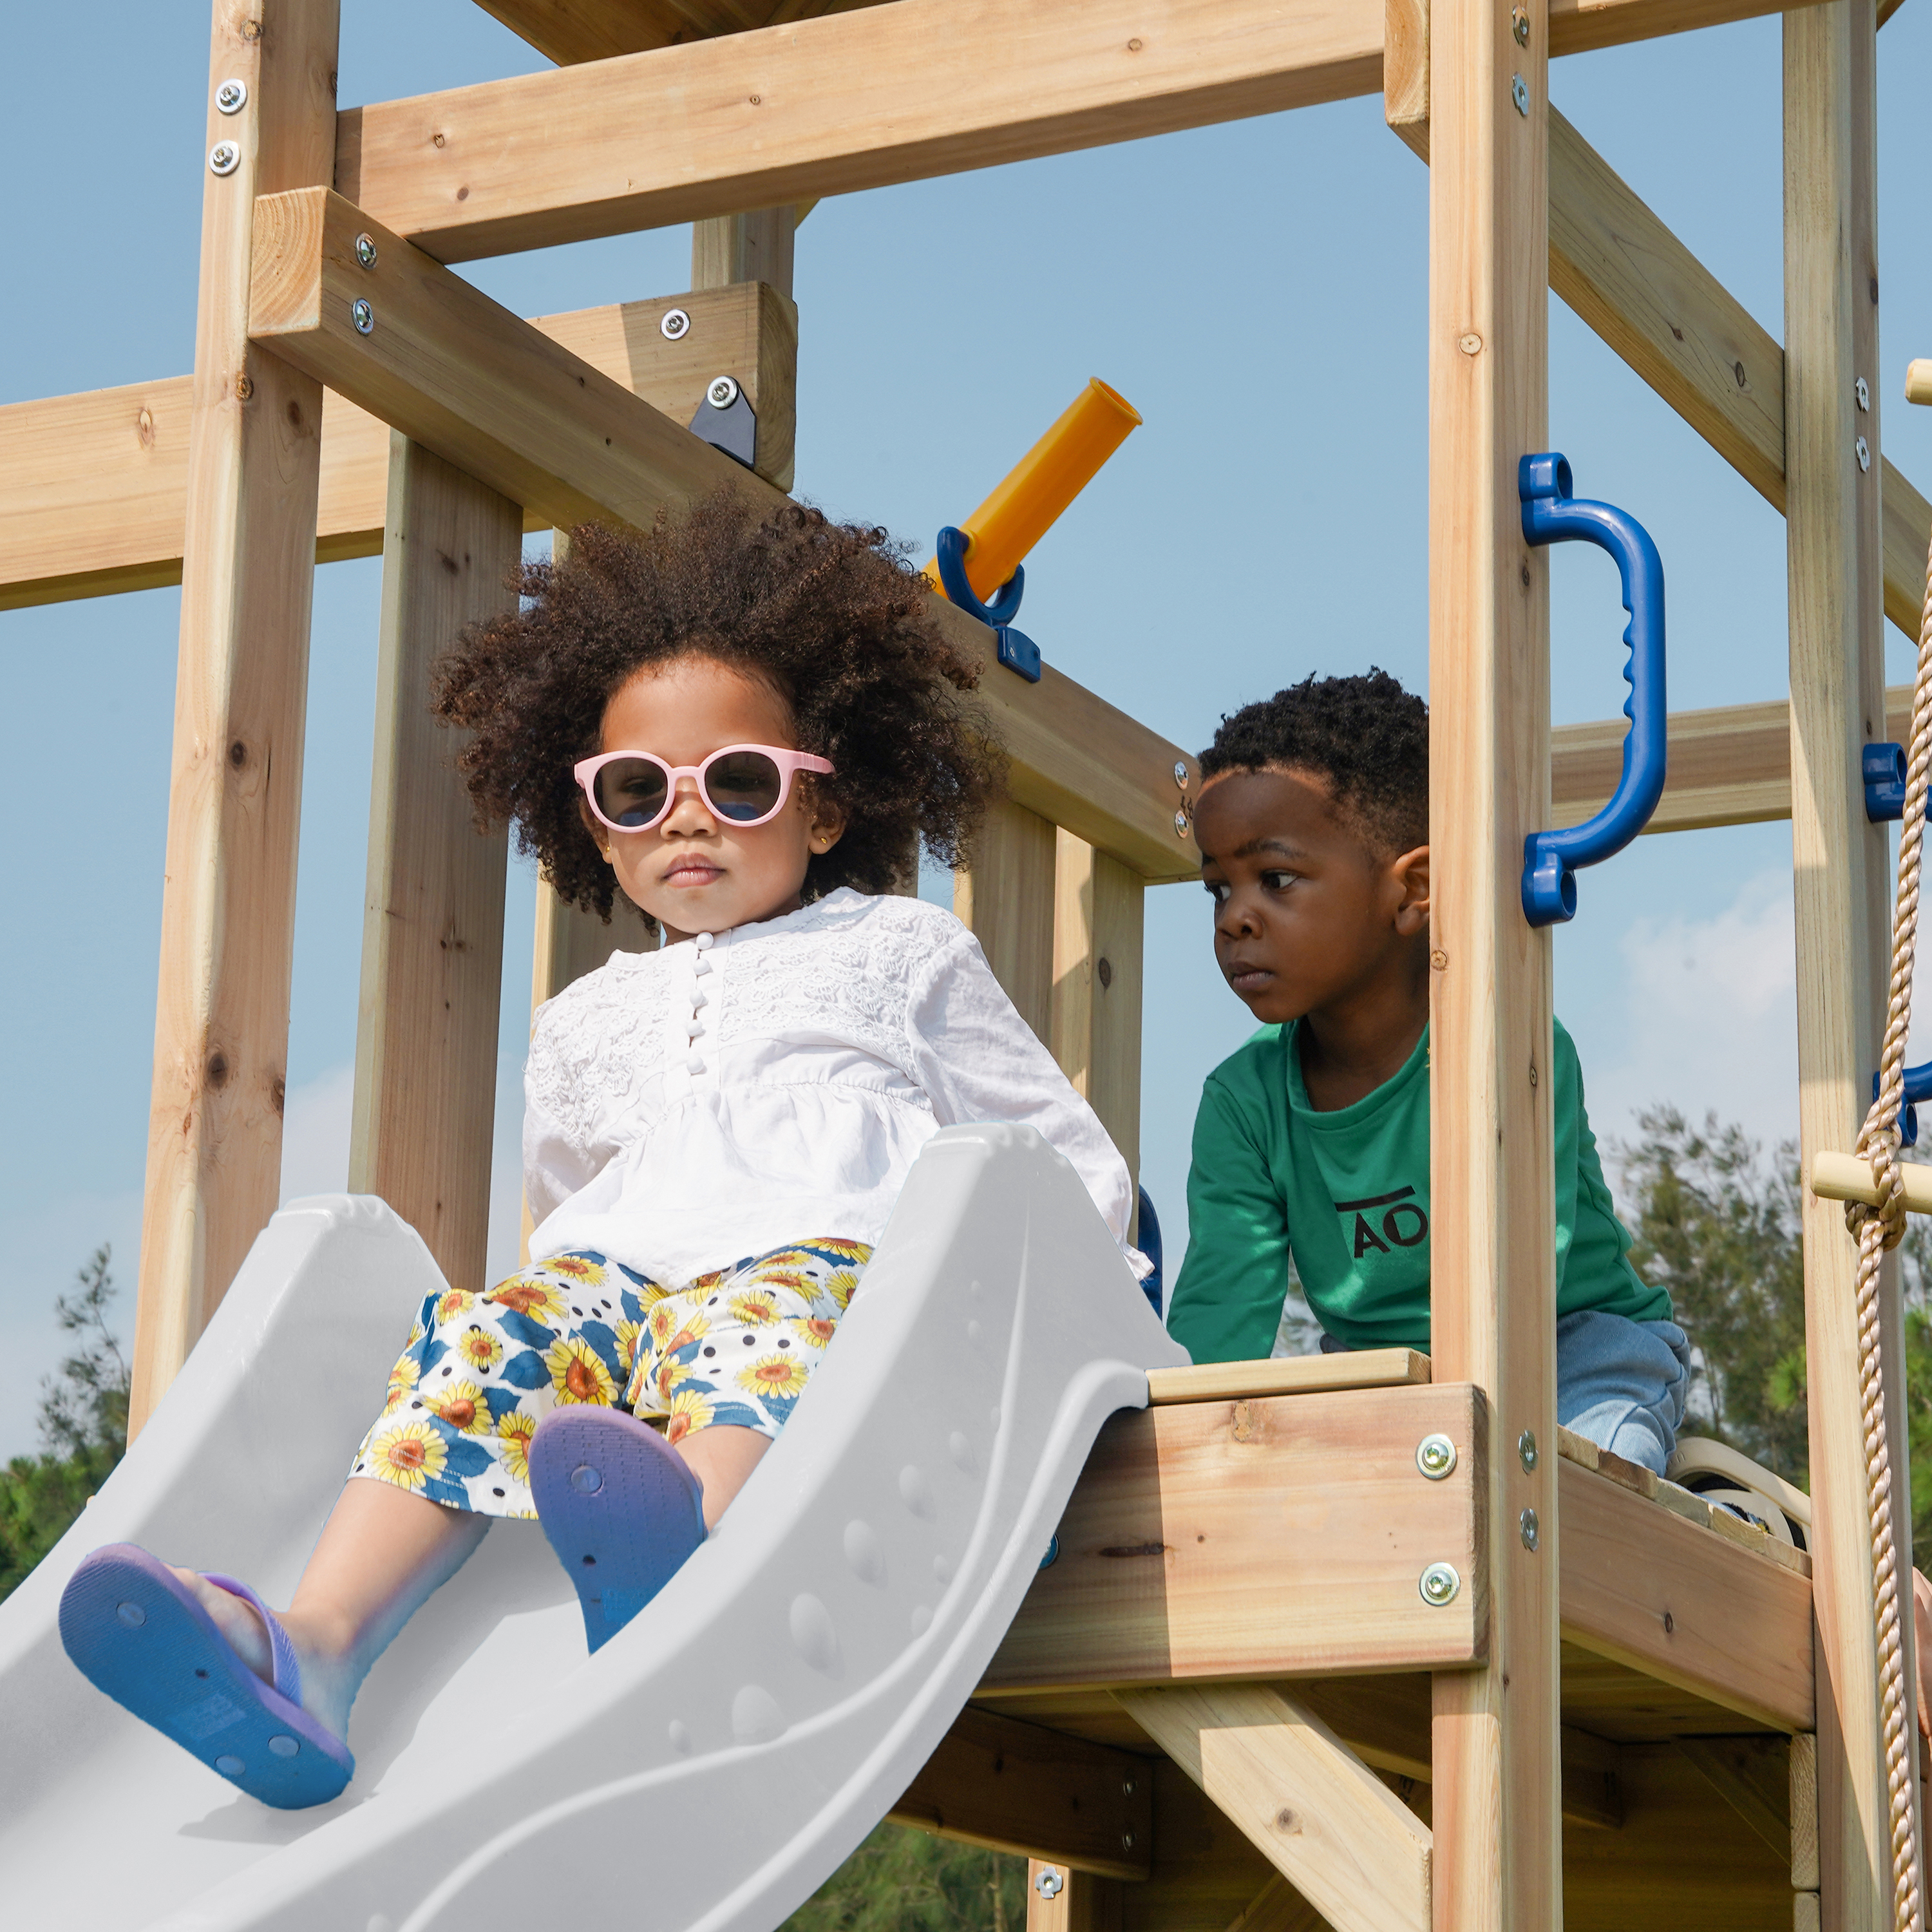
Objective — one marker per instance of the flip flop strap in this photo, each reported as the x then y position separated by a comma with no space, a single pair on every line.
288,1671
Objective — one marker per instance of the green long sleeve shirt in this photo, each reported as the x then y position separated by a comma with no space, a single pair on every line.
1346,1193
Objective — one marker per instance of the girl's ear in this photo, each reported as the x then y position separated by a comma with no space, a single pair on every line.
595,827
825,824
1409,874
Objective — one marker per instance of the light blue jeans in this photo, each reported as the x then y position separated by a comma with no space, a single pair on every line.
1623,1384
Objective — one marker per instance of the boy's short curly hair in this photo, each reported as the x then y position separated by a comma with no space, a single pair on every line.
1366,735
830,614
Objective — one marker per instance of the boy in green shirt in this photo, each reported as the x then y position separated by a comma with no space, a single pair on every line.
1312,1140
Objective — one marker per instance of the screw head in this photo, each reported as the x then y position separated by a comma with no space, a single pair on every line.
1519,93
1127,1787
1864,454
232,96
1439,1584
1526,1450
1127,1841
1526,1524
721,392
673,324
1049,1883
365,250
1520,25
1180,825
224,158
1862,390
1435,1456
362,316
1180,773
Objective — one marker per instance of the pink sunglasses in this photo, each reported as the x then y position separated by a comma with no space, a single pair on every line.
745,785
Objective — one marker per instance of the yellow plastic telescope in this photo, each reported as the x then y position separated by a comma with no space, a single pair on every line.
1007,525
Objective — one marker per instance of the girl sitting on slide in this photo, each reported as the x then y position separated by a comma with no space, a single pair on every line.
746,726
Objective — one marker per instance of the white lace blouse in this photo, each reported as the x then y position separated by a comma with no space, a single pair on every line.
732,1094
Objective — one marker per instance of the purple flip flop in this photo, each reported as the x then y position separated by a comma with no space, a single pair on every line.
620,1506
135,1631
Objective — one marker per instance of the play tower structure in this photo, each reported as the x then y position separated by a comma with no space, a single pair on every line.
1360,1640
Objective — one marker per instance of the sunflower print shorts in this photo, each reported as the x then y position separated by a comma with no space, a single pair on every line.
737,1345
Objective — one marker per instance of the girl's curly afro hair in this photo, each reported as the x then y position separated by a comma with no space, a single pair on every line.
830,614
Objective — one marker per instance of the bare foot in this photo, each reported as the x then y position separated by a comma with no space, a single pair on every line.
327,1689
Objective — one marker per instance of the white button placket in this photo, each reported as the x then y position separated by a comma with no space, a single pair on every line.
698,1012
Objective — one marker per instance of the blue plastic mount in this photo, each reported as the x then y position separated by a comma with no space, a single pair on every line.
1551,514
1918,1087
1018,652
1884,772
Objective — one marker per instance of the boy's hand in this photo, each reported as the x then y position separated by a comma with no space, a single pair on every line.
1922,1624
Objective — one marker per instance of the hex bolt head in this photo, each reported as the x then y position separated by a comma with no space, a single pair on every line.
1864,454
1862,390
232,96
362,316
224,158
1180,825
1180,773
365,250
1050,1884
673,324
1519,93
1526,1450
1439,1584
1520,25
1435,1457
1527,1524
720,392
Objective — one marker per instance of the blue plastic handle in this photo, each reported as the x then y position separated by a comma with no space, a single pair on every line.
1006,604
1918,1087
1883,768
1550,514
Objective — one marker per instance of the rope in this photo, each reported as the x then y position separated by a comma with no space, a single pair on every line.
1879,1229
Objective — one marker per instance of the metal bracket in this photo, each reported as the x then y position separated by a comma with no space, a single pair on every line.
726,420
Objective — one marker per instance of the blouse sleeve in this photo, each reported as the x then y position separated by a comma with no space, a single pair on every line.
977,1060
556,1165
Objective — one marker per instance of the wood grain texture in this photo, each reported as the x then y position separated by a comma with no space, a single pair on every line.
424,1114
1839,867
1753,1776
214,1138
1072,1900
1215,1540
1288,1374
1497,1768
1098,925
1019,1787
1802,1810
1332,1829
1006,896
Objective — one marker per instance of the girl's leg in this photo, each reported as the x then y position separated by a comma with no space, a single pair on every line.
384,1551
721,1458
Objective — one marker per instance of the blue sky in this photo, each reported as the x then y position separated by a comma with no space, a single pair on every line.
1257,290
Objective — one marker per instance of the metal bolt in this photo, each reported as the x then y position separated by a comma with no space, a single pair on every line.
1519,93
1864,454
674,323
232,96
1180,825
1862,390
1439,1584
1050,1883
1180,774
1520,25
1127,1841
365,250
1127,1787
722,393
1526,1523
224,158
1526,1450
363,316
1435,1456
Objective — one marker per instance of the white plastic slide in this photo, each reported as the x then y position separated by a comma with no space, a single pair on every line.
719,1758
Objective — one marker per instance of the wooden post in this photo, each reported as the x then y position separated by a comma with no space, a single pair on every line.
1070,1900
1098,924
1839,862
433,919
744,248
1007,896
221,1019
1498,1835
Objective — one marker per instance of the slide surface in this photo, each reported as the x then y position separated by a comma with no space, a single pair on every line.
720,1757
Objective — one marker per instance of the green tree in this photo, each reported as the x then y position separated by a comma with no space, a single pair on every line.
83,1425
902,1879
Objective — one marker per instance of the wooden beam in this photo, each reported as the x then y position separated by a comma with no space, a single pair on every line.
505,404
1062,1898
1839,865
94,495
1005,894
1327,1823
424,1115
221,1019
1498,1833
892,94
1753,1776
1022,1788
1215,1539
1288,1374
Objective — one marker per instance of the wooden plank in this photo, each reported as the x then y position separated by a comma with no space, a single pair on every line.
1019,1787
1005,895
1803,1811
1498,1833
863,99
1212,1539
425,1096
94,495
1651,1591
1206,1873
1288,1374
1064,1898
1839,867
1331,1828
1099,926
505,404
221,1017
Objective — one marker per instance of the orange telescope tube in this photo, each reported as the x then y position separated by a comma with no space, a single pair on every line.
1007,525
